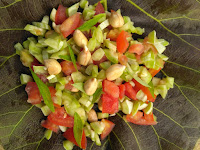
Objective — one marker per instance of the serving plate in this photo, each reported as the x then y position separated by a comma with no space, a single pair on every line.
177,21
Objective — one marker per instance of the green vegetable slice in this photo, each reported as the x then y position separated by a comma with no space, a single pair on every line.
78,128
97,95
65,57
90,23
79,86
44,91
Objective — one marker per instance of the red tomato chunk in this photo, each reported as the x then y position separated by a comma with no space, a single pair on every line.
49,125
108,128
70,24
60,15
60,117
110,88
69,135
109,104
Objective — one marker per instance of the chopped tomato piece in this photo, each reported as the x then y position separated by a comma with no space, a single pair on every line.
68,67
104,58
130,92
60,117
137,116
109,104
69,135
70,24
122,59
113,34
69,85
49,125
122,89
99,9
153,72
138,58
52,91
33,92
110,88
145,90
108,128
122,42
60,15
148,117
136,48
139,119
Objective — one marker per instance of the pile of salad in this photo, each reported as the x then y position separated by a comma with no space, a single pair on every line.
89,57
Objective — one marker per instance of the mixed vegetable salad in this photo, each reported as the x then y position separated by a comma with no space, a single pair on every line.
91,59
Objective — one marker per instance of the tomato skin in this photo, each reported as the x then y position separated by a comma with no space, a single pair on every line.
109,104
110,88
145,90
60,117
130,92
122,89
60,15
68,67
153,72
49,125
122,42
136,48
108,128
33,92
70,24
69,85
99,9
113,34
69,135
148,117
139,119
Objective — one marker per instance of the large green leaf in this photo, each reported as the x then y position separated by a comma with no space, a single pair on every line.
177,21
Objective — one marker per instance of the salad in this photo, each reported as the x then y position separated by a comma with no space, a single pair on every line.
89,57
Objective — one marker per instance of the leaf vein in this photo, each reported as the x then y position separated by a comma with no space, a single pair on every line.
16,1
158,137
171,143
15,126
186,97
170,31
8,57
131,131
119,140
10,90
171,119
12,29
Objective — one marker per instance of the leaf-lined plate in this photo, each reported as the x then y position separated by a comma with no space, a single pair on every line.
177,21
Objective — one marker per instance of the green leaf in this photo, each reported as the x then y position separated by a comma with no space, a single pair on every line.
44,91
151,89
65,57
78,128
97,95
79,86
72,57
90,23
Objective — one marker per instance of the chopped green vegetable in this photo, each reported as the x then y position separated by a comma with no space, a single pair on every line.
97,95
